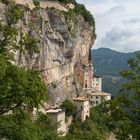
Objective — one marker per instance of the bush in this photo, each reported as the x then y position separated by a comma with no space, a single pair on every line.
69,106
81,10
68,1
36,3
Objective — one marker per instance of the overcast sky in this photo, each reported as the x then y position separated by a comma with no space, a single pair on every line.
117,23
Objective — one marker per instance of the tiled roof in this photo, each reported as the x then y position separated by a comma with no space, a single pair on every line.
98,93
80,98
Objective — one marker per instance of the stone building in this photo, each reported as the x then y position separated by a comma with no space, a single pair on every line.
88,74
43,4
92,88
58,116
96,97
83,109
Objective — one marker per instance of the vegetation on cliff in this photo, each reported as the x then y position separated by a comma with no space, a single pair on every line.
93,128
122,114
21,89
69,107
125,110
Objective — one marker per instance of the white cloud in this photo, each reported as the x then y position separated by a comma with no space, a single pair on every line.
109,14
131,21
121,39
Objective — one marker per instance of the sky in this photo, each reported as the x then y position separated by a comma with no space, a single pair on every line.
117,23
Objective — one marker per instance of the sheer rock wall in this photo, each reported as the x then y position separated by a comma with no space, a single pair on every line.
64,46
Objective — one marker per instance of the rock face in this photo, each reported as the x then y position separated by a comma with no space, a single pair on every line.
64,45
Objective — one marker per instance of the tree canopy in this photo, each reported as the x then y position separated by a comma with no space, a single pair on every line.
124,118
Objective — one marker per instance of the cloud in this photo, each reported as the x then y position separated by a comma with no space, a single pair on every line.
109,14
124,40
117,34
131,21
116,9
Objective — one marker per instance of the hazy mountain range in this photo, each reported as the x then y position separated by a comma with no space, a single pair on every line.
108,64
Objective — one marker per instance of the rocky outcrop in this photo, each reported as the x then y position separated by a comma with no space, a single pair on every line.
64,45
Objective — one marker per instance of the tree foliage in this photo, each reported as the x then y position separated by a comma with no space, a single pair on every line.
125,109
69,106
68,1
20,88
21,126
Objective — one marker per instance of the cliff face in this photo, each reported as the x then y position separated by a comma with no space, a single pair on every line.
65,40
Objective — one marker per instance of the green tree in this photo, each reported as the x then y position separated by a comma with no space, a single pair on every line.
85,131
19,126
47,127
125,109
36,3
69,106
18,86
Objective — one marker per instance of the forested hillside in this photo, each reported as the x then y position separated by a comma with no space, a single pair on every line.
109,63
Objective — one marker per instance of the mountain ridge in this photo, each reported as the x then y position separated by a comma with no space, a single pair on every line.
109,63
108,59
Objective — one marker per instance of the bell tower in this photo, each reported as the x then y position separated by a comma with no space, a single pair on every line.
88,73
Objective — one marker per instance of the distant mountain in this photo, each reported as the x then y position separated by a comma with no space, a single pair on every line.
109,63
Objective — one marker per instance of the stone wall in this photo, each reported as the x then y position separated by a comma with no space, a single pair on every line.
43,4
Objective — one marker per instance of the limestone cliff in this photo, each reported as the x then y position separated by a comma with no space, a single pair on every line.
65,39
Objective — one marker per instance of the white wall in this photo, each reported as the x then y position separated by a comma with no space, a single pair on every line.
61,120
83,110
97,83
94,100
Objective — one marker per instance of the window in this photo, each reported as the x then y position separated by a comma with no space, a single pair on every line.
85,85
96,102
81,107
96,97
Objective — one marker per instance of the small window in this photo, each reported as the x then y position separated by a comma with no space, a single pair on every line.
96,102
96,97
81,107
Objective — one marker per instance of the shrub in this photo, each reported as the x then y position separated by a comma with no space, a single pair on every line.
69,106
